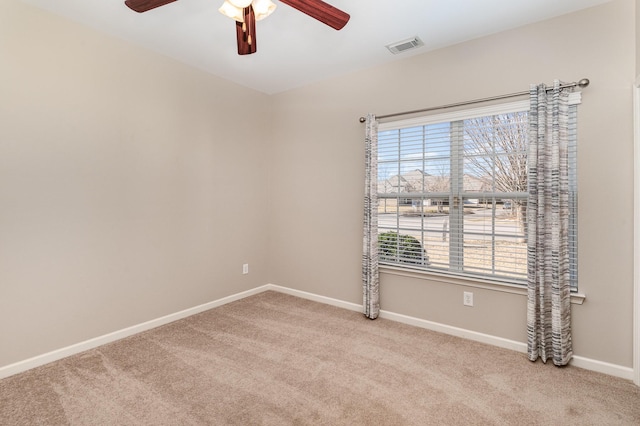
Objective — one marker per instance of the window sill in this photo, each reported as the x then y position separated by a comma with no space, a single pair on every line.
576,298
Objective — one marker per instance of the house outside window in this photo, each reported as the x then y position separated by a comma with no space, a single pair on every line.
452,193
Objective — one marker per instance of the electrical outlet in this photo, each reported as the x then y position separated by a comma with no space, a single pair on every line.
245,268
467,298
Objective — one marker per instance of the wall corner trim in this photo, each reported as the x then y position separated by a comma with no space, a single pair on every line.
636,231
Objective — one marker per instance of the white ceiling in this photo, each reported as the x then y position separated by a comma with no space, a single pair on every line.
294,49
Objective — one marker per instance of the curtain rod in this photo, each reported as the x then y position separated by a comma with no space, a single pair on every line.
582,83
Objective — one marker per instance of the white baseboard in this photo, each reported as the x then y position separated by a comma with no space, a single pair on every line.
21,366
603,367
456,331
315,297
27,364
577,361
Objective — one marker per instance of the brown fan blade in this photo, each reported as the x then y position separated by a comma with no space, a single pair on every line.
246,33
144,5
323,12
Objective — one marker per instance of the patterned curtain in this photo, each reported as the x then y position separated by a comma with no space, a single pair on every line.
548,306
370,280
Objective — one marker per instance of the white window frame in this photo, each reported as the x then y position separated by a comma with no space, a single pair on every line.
459,115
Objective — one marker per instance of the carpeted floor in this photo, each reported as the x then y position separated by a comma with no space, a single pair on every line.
274,359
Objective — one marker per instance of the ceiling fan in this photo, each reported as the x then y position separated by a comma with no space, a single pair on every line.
247,12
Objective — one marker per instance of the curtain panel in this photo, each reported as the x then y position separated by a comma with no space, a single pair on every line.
370,279
548,281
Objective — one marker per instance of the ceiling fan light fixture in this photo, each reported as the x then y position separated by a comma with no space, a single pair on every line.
247,12
263,8
231,11
241,4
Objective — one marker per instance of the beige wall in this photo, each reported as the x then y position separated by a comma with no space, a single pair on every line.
316,187
129,186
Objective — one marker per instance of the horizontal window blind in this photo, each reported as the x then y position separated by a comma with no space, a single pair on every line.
453,194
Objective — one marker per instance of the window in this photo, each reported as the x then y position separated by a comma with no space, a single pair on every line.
452,192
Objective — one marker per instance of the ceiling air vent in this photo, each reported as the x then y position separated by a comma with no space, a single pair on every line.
404,45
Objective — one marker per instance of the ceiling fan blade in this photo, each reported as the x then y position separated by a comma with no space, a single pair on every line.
144,5
323,12
246,33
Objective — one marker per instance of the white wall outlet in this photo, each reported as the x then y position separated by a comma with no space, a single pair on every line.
245,268
467,298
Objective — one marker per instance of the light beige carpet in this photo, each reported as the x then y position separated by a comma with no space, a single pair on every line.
274,359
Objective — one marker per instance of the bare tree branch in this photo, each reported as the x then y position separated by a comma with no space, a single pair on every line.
495,150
